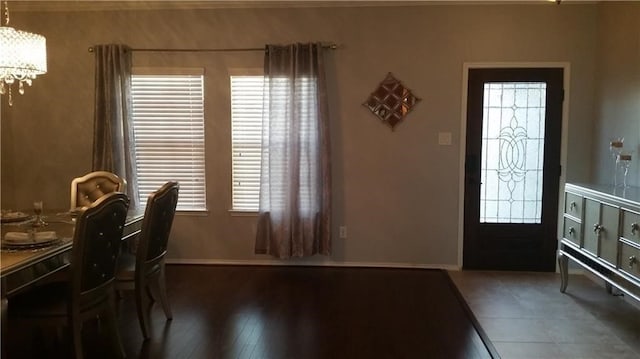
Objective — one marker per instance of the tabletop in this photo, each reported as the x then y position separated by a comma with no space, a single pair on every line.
63,223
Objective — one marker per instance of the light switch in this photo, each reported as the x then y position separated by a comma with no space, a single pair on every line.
444,138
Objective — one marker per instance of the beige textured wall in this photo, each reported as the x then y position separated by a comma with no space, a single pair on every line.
618,88
396,191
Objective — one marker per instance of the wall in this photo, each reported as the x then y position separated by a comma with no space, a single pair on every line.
618,96
396,191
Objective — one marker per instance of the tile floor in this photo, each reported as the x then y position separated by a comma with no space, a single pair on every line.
525,316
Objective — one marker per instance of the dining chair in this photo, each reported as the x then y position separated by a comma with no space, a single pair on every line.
90,291
144,271
88,188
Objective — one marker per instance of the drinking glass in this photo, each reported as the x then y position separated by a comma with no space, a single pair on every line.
615,147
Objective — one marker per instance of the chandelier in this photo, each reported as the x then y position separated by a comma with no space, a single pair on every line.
23,56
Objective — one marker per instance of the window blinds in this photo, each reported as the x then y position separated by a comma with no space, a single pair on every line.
168,120
246,138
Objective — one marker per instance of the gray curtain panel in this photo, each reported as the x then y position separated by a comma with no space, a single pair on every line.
113,141
295,177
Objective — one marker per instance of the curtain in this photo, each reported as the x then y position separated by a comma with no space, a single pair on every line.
113,141
295,177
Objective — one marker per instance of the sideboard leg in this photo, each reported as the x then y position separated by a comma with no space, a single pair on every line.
613,290
608,287
563,264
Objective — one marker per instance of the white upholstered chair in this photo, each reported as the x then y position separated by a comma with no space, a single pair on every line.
89,188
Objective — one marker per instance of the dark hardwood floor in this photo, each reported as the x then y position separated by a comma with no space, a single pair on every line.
289,312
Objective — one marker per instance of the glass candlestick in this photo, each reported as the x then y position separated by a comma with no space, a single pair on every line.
615,147
37,209
624,161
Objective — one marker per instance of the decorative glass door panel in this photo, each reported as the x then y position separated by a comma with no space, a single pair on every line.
513,129
512,168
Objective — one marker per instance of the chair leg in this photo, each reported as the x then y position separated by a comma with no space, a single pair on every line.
150,295
60,339
162,289
3,318
76,336
110,320
143,312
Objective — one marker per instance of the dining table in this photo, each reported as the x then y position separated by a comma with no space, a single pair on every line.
23,267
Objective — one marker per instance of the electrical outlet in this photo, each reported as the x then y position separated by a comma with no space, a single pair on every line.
343,232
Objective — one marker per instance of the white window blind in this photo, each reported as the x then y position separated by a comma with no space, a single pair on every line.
246,139
168,121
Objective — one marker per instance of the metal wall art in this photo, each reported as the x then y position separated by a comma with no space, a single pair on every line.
391,101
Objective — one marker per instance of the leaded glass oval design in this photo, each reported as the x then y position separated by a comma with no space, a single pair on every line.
512,152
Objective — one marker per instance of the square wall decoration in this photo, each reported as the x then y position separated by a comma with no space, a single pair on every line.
391,101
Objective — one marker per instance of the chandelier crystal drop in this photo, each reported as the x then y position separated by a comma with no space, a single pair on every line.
23,56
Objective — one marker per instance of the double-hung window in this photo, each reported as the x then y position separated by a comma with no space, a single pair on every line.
168,123
246,140
247,101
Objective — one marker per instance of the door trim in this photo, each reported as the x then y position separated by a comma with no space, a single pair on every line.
566,66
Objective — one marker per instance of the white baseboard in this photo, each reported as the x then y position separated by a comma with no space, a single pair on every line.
305,263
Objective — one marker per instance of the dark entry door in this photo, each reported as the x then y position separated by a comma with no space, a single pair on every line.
512,168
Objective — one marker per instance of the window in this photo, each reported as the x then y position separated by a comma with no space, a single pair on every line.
168,123
246,139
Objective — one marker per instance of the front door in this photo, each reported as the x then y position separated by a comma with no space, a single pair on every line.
512,168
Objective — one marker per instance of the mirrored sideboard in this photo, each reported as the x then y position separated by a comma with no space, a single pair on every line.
601,233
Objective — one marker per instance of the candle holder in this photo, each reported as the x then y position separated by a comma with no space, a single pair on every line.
615,147
624,161
37,209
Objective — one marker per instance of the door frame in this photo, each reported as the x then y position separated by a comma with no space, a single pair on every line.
566,66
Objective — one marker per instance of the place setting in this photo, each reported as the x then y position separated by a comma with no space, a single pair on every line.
11,216
29,233
29,240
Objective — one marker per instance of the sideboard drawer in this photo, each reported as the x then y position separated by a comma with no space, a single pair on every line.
609,233
631,226
572,231
573,205
591,222
630,260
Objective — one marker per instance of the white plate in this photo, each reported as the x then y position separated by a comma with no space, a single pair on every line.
6,217
29,246
20,240
32,245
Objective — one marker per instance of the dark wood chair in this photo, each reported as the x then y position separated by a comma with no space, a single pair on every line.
90,292
88,188
144,271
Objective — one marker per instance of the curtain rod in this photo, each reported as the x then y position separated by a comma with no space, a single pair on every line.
331,46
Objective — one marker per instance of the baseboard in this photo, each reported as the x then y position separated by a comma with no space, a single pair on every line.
309,263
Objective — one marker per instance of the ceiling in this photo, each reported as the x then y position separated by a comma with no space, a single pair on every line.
102,5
